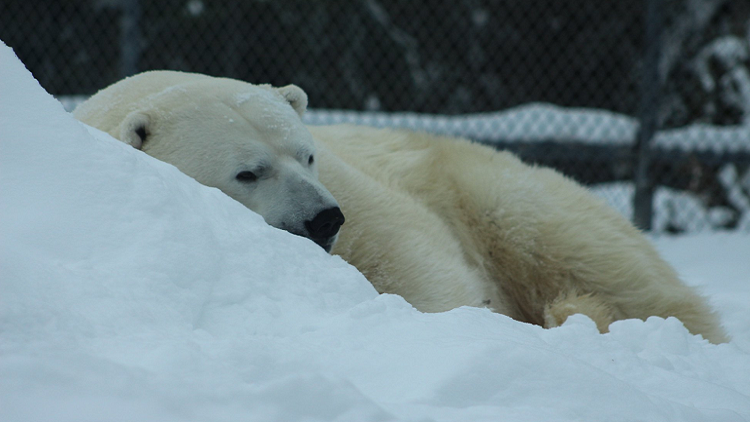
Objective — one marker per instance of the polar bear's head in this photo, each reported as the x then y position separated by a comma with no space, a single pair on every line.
246,140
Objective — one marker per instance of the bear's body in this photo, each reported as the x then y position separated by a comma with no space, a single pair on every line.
444,222
549,246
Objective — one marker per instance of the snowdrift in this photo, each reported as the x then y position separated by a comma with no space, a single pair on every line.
130,292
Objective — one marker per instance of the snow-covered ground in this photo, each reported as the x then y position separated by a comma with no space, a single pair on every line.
128,292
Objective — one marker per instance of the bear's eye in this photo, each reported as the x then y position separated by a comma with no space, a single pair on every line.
246,176
310,160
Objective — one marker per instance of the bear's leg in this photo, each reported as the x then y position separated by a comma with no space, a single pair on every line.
571,303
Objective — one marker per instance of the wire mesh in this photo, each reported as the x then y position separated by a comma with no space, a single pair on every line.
558,83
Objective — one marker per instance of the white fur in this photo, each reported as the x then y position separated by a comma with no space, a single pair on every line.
440,221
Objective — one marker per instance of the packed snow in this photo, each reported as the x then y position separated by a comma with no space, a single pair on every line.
129,292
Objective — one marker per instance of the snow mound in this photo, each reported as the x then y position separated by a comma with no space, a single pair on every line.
130,292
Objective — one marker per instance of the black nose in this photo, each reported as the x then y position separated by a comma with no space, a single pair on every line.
326,224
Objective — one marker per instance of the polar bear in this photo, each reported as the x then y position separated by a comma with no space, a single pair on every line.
443,222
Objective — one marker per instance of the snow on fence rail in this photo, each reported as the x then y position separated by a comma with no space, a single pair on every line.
540,122
535,123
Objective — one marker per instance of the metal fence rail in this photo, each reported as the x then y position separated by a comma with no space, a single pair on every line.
648,102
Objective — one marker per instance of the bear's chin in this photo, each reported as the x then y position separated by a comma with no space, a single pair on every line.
327,243
324,242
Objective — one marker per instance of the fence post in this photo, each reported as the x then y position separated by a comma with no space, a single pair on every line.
130,38
643,202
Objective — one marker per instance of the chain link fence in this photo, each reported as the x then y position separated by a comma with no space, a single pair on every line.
648,102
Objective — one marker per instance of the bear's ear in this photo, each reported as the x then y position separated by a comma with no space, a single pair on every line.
135,129
296,97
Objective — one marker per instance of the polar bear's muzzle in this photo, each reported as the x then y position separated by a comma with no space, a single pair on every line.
302,206
323,229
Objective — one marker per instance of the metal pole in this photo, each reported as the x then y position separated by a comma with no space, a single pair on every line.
648,116
130,38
